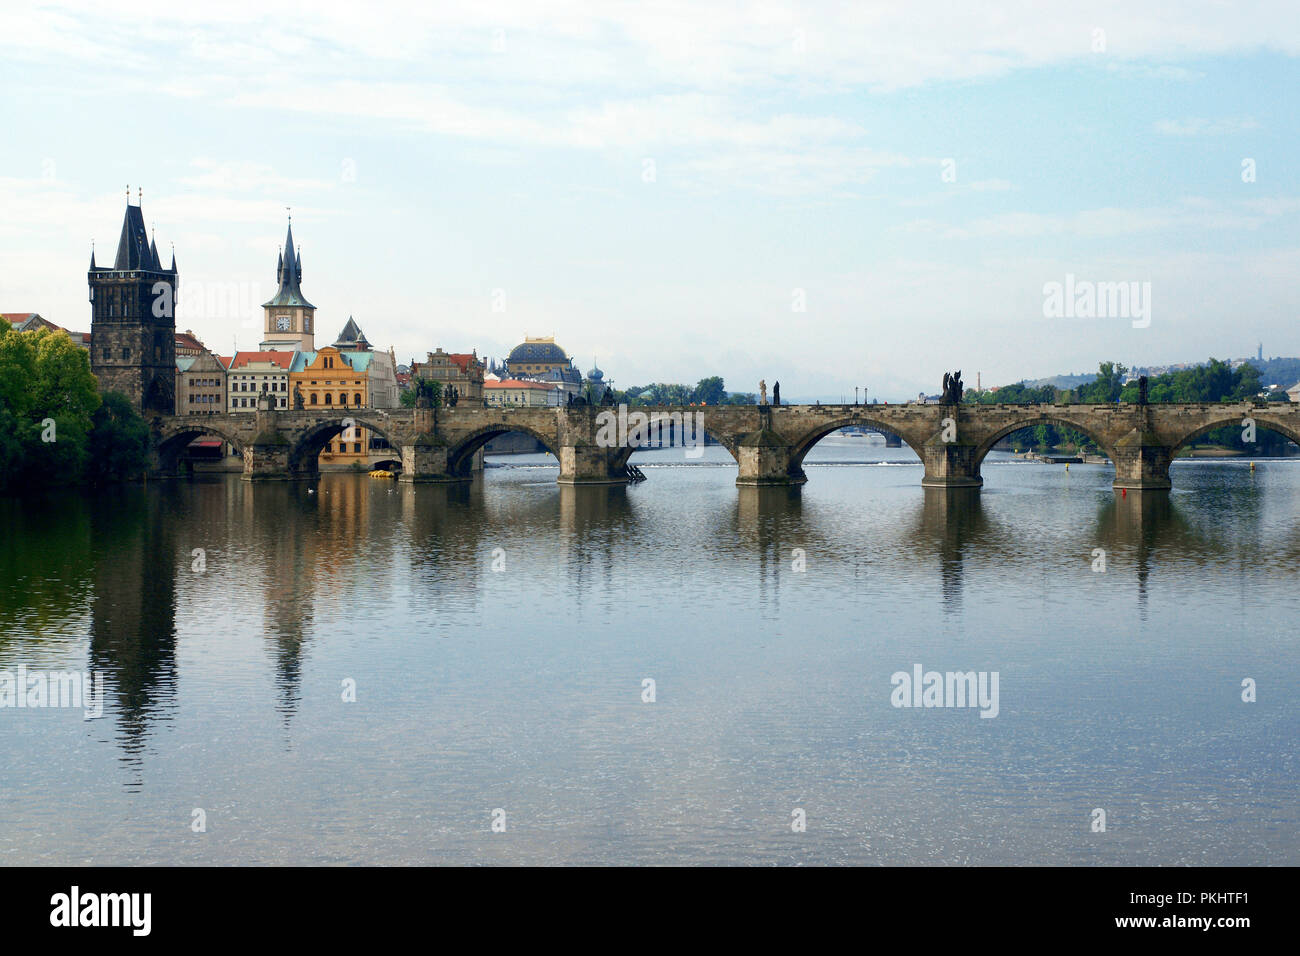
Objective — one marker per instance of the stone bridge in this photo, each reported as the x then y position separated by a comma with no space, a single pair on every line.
768,442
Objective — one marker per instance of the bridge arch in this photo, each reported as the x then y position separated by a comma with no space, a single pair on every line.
176,436
1038,418
670,434
1261,423
311,441
460,456
808,440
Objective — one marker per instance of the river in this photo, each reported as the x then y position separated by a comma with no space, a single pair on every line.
500,636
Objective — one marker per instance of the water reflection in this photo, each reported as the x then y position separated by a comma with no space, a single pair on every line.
1133,528
133,615
951,522
768,523
595,522
530,696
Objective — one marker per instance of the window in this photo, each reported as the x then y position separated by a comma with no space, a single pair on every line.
356,447
329,399
126,354
313,398
357,402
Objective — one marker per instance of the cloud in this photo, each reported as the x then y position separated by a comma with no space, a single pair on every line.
1190,216
1199,126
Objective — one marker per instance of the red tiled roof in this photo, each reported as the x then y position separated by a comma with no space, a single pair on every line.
188,340
462,359
283,359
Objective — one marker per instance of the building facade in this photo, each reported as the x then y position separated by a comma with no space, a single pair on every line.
252,373
200,384
461,370
512,392
133,321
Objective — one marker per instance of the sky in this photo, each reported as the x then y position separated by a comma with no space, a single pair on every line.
832,196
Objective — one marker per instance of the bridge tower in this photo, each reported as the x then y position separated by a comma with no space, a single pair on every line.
133,320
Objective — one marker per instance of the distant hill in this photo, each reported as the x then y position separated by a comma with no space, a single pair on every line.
1062,381
1278,371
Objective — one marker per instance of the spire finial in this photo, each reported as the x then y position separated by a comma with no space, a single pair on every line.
289,210
139,195
128,194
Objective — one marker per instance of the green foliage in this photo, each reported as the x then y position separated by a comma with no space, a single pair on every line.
54,429
119,441
708,391
1106,387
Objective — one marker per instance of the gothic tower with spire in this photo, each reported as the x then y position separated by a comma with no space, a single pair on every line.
289,318
133,320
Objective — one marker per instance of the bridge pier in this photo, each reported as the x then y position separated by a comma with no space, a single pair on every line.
588,464
266,457
766,458
427,462
1141,462
950,464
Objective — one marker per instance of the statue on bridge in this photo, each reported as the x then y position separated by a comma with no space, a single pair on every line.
952,388
298,403
608,398
776,393
425,394
1142,389
762,391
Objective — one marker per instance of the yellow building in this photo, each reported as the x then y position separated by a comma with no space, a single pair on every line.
330,379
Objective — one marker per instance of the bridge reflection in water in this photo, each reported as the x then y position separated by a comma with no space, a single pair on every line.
278,554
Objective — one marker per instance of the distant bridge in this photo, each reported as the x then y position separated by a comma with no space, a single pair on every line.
768,442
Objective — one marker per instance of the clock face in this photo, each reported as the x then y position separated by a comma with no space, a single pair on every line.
282,323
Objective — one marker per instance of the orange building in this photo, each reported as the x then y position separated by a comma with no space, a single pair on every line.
331,379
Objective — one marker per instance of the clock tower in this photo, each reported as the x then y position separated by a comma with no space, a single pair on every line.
290,319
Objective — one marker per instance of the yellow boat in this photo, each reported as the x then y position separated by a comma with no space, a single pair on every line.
380,473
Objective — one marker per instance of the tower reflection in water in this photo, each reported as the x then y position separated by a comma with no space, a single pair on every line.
133,616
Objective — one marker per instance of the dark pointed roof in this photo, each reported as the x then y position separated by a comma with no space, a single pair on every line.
289,274
352,337
133,246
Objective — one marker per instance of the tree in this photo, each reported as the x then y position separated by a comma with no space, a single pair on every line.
1108,385
710,391
47,397
119,441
